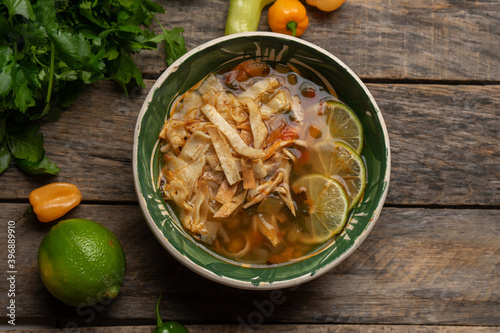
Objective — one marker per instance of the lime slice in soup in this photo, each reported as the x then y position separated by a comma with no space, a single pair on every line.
344,125
327,206
339,161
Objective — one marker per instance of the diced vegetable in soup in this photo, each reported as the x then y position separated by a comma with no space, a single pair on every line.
262,165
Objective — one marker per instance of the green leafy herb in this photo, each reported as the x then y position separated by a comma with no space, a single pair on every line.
50,49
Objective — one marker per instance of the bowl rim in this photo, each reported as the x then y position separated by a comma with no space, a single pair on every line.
204,271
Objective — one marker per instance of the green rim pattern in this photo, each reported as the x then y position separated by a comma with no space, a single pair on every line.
191,68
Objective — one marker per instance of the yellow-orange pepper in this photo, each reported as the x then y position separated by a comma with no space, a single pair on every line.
288,17
326,5
52,201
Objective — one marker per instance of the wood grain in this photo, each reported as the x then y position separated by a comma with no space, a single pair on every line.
444,144
417,266
434,70
286,329
398,39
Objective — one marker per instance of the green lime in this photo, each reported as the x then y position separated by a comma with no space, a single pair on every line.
328,207
81,262
339,161
344,125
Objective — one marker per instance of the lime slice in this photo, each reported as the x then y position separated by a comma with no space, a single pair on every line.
328,207
344,125
340,162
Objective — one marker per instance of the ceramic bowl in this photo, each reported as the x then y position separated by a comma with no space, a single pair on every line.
189,70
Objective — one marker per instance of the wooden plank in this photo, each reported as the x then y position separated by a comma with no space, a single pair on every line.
287,328
444,143
398,39
417,266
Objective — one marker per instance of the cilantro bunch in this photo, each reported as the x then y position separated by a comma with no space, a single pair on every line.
50,49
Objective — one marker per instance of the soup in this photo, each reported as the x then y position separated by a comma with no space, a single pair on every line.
261,163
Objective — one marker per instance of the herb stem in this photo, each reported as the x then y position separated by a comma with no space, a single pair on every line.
51,78
161,26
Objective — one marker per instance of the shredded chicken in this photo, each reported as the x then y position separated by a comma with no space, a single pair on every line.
268,229
263,190
220,157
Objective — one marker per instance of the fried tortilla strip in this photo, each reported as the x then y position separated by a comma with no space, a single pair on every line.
175,133
224,154
178,192
190,174
246,136
190,101
230,206
212,160
199,201
173,163
231,134
259,129
248,176
226,192
196,147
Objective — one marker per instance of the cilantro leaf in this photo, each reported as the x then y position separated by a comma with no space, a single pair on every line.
6,55
5,81
153,7
32,34
46,13
27,144
74,50
23,94
19,7
5,156
174,44
125,71
30,72
86,10
60,46
45,166
3,132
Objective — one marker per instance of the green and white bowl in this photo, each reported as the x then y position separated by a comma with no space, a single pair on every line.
229,50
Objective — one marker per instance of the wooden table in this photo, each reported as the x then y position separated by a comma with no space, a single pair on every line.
432,261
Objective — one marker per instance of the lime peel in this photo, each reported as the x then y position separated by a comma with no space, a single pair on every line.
81,262
344,125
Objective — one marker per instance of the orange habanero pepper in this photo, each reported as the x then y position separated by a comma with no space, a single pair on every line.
52,201
288,17
326,5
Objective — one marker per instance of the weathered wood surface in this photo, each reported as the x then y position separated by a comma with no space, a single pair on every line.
453,40
444,143
417,266
433,68
286,329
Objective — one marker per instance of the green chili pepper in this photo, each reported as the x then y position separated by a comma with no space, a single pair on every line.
167,326
244,15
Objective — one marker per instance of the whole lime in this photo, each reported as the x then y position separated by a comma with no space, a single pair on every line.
81,262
